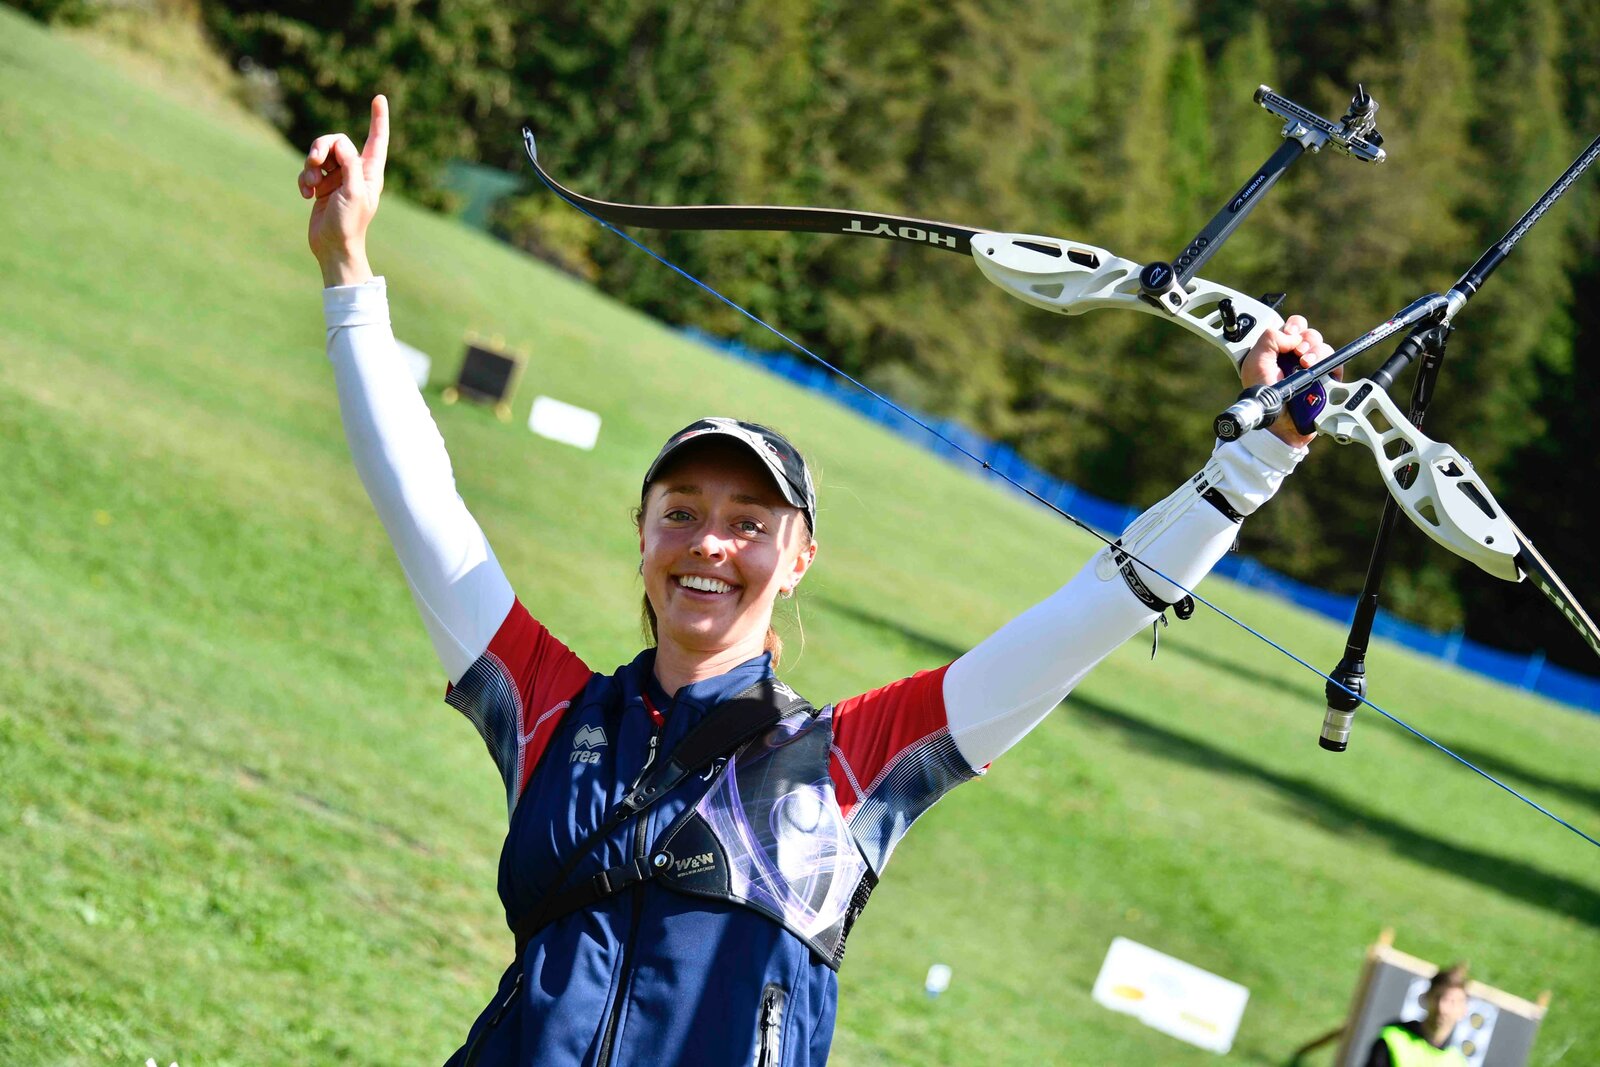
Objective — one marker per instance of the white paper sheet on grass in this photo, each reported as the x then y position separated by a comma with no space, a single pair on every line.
564,422
1170,995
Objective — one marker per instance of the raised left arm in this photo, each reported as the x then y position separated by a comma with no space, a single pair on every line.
1005,686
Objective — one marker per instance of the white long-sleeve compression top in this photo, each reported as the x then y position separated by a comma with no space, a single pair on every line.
994,694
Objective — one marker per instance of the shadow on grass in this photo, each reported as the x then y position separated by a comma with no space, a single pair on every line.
1339,815
1309,690
935,647
1537,781
1304,687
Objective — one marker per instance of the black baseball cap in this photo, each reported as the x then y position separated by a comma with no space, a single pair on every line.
782,460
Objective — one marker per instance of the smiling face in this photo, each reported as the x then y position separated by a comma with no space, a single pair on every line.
719,544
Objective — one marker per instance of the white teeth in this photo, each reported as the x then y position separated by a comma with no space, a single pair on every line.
705,585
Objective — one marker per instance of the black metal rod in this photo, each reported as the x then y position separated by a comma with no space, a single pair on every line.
1349,678
1409,350
1474,278
1259,405
1211,236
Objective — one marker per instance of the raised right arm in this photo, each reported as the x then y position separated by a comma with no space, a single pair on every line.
457,583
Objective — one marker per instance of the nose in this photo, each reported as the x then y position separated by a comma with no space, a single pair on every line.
710,546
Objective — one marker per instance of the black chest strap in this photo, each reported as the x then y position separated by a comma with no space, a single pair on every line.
724,729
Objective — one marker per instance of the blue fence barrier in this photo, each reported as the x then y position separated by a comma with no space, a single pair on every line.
1521,671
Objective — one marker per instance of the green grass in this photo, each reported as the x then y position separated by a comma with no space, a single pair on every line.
239,826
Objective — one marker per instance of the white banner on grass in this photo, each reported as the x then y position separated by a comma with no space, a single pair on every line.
1170,995
564,422
417,362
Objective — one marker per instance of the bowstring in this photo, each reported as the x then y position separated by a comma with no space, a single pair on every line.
986,465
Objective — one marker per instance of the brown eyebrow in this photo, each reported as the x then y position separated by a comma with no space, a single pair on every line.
742,498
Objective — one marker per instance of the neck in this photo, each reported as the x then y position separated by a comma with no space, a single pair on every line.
677,666
1435,1030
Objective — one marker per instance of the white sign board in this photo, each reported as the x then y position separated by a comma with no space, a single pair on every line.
563,422
417,362
1170,995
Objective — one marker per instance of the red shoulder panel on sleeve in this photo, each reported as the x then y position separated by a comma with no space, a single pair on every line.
547,674
870,730
516,694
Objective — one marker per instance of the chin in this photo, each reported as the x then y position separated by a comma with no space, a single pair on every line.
706,636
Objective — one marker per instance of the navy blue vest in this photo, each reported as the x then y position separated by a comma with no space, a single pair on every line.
729,958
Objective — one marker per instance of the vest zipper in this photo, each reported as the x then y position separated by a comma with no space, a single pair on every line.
640,828
769,1045
475,1048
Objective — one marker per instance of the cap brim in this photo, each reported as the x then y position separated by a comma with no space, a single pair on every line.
768,461
794,495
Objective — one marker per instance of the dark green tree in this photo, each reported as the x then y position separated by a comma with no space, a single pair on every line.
1124,126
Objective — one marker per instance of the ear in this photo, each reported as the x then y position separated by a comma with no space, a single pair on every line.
802,563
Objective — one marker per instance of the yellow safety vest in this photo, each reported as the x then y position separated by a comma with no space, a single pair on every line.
1408,1050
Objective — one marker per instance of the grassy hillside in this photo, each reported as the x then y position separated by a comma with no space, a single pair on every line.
238,825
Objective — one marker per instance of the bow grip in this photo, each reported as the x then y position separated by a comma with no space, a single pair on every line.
1304,408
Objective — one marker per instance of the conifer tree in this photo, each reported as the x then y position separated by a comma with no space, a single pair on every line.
1121,125
1545,314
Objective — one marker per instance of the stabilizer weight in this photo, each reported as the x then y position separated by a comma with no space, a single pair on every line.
1257,406
1350,677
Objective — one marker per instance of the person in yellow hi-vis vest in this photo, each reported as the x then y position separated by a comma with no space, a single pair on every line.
1422,1043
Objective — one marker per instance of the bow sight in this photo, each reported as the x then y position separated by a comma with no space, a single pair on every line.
1433,483
1165,284
1031,268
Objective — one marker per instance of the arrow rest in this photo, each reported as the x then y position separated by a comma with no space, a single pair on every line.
1234,325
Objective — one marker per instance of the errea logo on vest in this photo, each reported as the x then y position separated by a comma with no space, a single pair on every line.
584,745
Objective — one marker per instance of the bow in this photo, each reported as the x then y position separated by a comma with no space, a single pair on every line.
1434,484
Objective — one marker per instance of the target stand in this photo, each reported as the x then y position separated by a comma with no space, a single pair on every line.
1497,1031
489,375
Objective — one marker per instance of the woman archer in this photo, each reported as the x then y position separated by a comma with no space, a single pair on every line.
689,841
